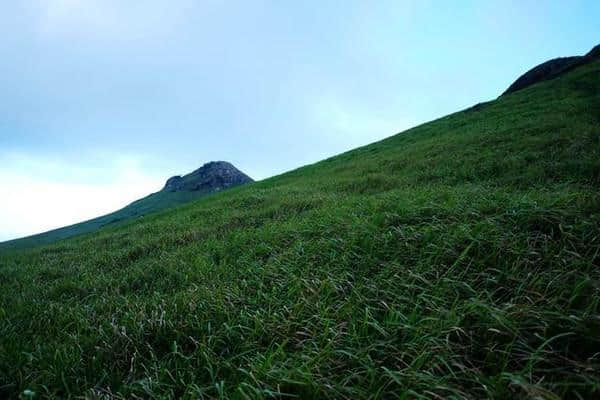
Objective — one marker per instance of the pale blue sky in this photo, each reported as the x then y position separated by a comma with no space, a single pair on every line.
102,100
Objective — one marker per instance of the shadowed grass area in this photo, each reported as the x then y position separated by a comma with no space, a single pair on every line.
459,259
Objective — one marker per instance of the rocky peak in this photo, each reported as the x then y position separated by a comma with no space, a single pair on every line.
212,176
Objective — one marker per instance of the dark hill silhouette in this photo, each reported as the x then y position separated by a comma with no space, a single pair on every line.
552,69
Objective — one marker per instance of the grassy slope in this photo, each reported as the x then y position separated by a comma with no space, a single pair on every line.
457,259
152,203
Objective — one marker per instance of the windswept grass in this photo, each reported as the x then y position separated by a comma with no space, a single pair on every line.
459,259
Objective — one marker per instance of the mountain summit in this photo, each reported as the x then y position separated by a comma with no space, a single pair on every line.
212,176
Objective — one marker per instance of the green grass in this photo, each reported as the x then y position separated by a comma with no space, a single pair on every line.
459,259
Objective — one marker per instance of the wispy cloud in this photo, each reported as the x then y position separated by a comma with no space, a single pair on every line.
109,19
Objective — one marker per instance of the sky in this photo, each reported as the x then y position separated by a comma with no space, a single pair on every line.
102,100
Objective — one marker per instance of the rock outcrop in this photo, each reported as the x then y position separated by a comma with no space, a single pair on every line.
212,176
552,69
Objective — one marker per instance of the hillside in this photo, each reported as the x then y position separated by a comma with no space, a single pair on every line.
458,259
211,177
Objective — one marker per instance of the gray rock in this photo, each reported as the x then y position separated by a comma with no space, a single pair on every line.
212,176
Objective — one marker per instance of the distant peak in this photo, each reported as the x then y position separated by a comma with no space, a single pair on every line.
212,176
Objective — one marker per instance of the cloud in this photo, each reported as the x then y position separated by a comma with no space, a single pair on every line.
37,197
108,19
61,16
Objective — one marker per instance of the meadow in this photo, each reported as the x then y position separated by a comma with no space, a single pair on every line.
458,259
